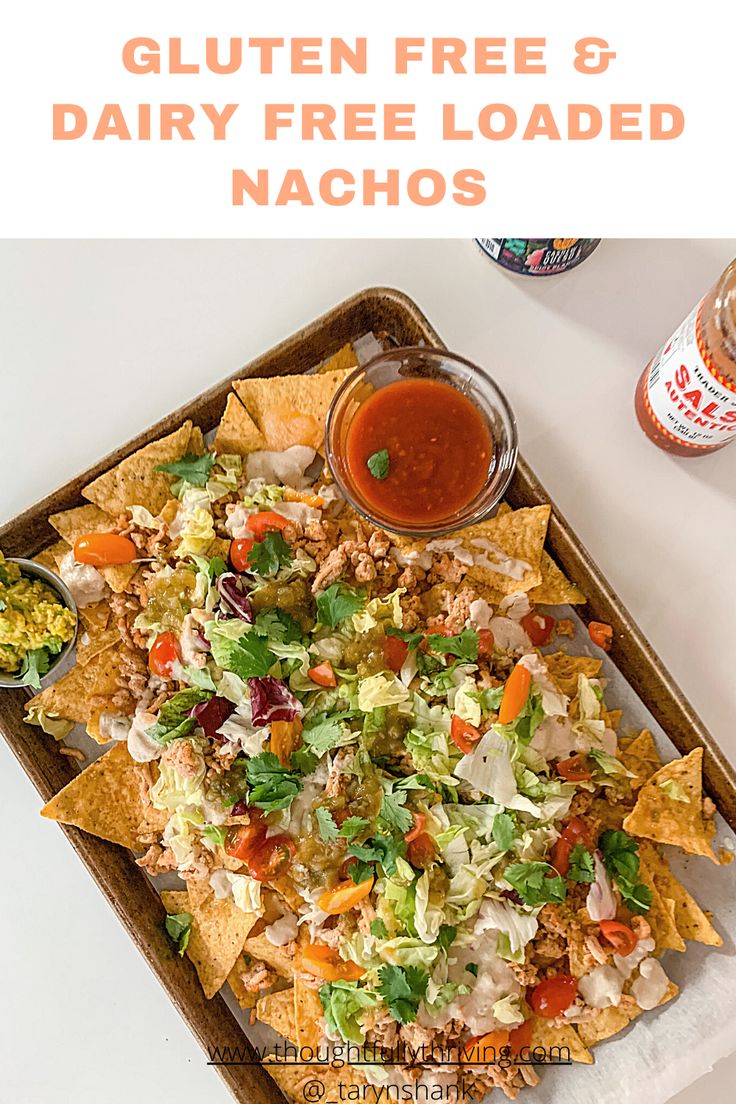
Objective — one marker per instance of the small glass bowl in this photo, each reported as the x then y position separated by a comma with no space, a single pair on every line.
34,570
436,364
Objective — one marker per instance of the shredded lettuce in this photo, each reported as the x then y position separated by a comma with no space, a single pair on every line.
380,689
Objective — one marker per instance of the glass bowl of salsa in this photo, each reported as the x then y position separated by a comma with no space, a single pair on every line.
421,441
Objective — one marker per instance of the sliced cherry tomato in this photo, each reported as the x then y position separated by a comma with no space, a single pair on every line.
575,831
395,650
104,549
553,995
463,734
239,551
520,1038
515,694
484,1049
421,851
267,521
164,654
323,674
620,936
601,634
419,819
574,769
538,627
344,896
244,839
323,962
285,739
271,857
485,642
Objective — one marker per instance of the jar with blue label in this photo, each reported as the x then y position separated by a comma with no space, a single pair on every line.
538,256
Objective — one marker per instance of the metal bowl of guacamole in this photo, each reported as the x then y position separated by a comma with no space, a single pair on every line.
38,622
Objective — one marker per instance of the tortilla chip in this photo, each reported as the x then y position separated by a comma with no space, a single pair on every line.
340,1084
551,1036
218,931
308,1015
290,410
659,817
690,920
91,519
135,481
606,1022
564,670
343,359
555,588
96,635
110,799
73,695
520,534
277,1010
640,756
661,916
276,957
50,557
237,433
243,996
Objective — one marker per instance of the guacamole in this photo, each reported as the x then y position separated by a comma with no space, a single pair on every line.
34,624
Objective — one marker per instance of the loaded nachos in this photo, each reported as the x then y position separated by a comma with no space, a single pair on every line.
400,810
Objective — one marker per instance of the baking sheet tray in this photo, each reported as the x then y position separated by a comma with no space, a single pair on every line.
655,700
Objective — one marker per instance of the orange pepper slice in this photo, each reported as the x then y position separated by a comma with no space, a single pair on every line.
323,962
484,1049
285,738
515,693
344,896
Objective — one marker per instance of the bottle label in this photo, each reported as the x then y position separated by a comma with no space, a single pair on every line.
685,395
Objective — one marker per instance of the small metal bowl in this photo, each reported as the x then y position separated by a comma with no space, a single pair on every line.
35,570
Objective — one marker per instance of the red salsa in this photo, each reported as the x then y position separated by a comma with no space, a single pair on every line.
418,450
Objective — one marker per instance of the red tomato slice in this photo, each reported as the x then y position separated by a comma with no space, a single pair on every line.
241,841
271,857
601,634
538,627
164,654
419,819
463,734
323,674
575,831
620,936
485,642
515,694
265,522
421,851
574,769
553,995
520,1038
239,552
560,855
104,549
395,650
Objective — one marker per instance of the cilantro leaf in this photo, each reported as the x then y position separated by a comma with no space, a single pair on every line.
490,699
393,815
325,732
582,868
278,625
381,849
413,639
247,656
272,786
621,861
352,826
303,760
379,929
360,871
503,831
402,988
174,720
337,603
446,936
326,823
193,469
267,556
537,883
464,645
35,665
379,464
178,927
211,568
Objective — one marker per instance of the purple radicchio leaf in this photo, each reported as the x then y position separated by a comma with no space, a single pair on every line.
271,700
211,715
233,598
202,643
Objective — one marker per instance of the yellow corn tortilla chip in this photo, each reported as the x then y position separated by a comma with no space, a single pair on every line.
243,996
660,817
51,556
343,359
290,410
308,1014
73,696
612,718
277,1010
109,799
237,433
91,519
219,929
555,588
661,916
277,958
520,535
135,481
606,1022
640,755
559,1040
96,634
691,921
338,1084
564,670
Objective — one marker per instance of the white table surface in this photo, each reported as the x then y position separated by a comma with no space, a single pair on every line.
99,339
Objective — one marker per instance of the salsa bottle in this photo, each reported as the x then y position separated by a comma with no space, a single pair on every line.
538,256
686,397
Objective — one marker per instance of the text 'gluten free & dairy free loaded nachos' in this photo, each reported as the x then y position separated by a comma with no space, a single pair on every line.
396,820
